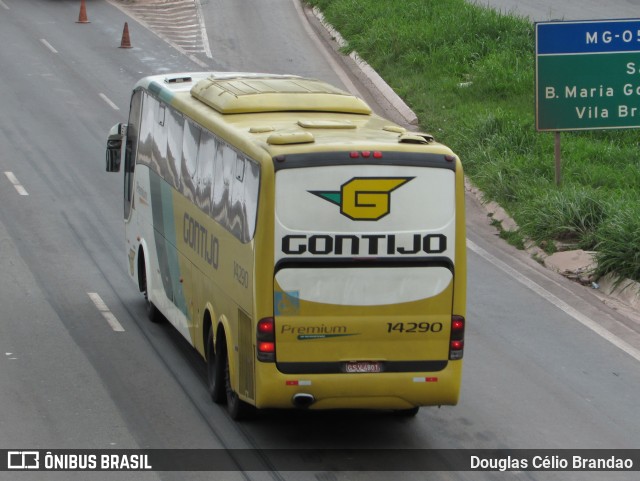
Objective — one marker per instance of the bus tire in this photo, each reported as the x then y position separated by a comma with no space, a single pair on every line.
216,372
152,312
237,408
407,413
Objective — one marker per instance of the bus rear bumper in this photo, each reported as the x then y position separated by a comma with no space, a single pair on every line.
357,391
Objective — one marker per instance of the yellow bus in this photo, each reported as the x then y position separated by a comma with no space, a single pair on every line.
311,251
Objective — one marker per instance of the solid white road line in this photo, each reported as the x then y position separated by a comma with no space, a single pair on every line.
13,179
106,313
559,303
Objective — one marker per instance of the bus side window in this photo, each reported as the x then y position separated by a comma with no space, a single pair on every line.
189,164
236,205
217,200
159,150
131,148
225,166
145,144
204,172
251,191
175,126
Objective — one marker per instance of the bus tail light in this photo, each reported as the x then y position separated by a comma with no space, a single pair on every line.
266,339
456,343
365,154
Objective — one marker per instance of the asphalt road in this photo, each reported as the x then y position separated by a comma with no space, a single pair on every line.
547,364
545,10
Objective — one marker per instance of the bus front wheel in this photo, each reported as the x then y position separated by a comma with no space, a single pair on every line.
152,311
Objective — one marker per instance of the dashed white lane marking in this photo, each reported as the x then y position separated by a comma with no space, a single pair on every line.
48,45
106,313
109,102
4,5
13,179
559,303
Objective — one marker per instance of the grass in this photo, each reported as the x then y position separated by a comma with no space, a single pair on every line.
468,73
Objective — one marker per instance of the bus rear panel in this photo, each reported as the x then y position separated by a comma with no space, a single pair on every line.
365,255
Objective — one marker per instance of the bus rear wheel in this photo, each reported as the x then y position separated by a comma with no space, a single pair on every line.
216,372
407,413
238,409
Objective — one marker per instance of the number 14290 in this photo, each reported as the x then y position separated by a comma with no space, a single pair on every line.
414,327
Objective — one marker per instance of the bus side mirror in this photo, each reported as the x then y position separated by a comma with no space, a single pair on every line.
114,147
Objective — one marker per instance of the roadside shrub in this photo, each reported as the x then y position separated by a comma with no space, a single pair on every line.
571,215
618,245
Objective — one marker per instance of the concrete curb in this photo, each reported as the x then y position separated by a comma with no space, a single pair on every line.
627,291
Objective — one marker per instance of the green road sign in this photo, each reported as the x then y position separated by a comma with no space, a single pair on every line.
587,75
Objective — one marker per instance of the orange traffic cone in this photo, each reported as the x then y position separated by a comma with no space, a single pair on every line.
125,42
82,18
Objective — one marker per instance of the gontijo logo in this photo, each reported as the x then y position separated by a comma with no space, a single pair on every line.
364,198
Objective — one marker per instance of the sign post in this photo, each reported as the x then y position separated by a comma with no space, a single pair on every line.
557,152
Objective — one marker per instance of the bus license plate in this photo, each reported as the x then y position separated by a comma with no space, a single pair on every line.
363,366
